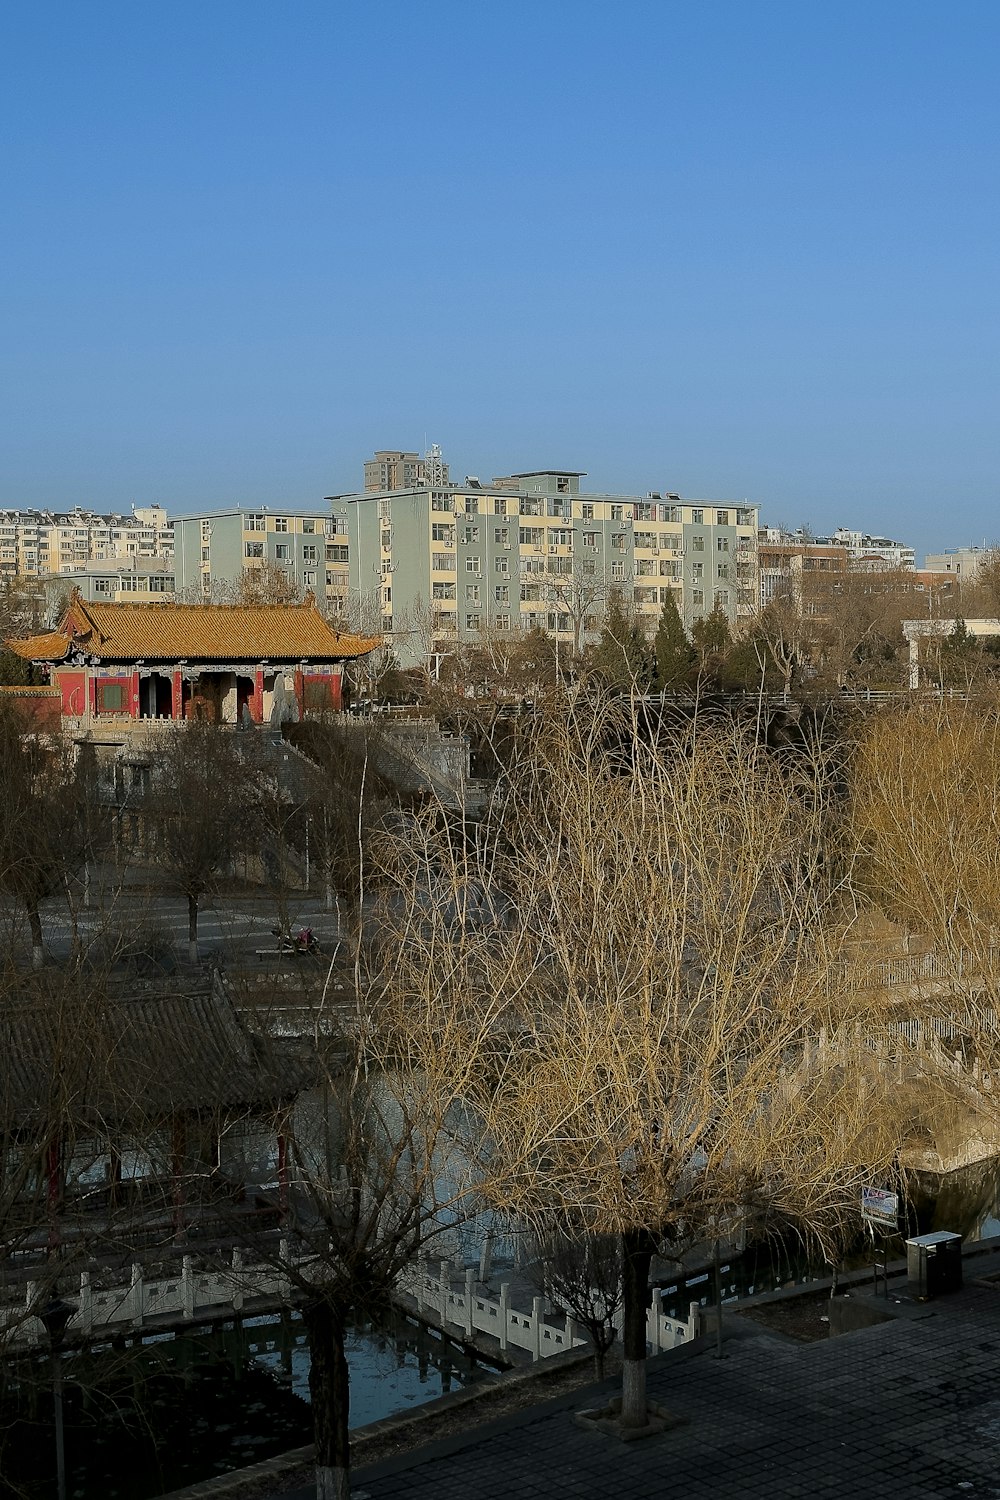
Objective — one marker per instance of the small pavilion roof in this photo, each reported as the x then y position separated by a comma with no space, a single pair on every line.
194,632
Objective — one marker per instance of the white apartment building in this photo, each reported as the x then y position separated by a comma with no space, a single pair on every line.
37,543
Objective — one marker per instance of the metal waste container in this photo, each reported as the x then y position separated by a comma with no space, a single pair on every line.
934,1263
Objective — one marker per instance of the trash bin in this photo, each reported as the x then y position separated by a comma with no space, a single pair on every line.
934,1263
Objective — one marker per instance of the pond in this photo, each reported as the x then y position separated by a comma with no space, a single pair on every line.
148,1416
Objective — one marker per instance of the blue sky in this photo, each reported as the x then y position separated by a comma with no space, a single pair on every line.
734,249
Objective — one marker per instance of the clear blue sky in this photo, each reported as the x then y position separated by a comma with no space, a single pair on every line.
732,247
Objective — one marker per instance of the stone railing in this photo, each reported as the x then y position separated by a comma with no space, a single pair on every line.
458,1306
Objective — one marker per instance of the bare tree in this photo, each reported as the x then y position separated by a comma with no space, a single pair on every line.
651,925
44,827
198,811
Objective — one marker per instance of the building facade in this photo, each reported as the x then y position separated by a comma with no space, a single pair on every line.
440,565
37,543
218,547
392,470
118,664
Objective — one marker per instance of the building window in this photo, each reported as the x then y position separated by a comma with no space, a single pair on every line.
472,622
308,527
617,512
443,562
697,518
206,553
697,570
470,535
697,544
531,507
472,593
530,536
501,593
443,590
309,554
255,522
698,598
309,578
744,516
110,698
722,544
618,541
722,518
589,567
590,540
281,551
254,549
501,535
471,505
499,507
502,565
438,502
723,570
385,541
618,570
442,532
102,585
472,566
281,523
336,554
587,511
503,622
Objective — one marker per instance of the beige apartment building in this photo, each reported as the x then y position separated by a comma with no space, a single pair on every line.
392,470
533,550
37,543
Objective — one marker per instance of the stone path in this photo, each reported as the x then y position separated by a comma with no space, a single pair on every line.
906,1410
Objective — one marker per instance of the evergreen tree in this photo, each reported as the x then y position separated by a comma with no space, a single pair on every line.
675,656
712,640
622,656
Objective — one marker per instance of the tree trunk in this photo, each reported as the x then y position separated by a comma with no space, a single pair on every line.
637,1252
35,924
193,928
330,1394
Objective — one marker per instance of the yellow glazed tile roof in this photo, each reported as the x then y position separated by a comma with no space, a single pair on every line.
52,646
195,632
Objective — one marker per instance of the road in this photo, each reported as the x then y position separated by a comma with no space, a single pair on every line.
230,928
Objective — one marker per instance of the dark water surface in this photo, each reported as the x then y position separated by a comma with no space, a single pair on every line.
154,1415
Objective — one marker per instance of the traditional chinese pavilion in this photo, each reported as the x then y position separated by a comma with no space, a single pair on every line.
124,661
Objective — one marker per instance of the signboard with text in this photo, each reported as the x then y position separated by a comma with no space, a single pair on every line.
879,1206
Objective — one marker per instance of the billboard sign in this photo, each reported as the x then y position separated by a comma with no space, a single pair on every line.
879,1206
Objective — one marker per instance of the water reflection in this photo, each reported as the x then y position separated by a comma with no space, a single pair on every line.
153,1415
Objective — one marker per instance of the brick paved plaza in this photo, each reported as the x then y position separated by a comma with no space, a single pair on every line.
906,1410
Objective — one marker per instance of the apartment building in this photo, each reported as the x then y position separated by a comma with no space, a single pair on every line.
533,549
37,543
144,580
220,545
872,553
392,470
790,564
960,562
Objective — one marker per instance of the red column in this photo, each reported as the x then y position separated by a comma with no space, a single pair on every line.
336,695
134,697
257,701
176,694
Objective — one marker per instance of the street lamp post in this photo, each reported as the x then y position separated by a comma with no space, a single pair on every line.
55,1314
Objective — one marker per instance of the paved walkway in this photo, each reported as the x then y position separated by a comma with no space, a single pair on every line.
906,1410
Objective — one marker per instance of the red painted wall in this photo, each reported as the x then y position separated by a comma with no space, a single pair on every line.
73,687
